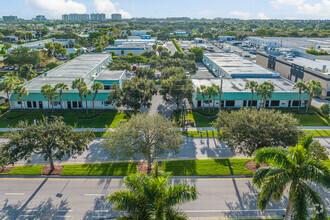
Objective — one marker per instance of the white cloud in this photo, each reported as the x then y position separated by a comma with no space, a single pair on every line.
57,7
321,9
107,7
262,16
279,3
241,14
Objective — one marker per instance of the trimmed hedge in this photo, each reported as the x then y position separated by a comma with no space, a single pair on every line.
177,46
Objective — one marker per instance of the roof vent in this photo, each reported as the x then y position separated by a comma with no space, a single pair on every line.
45,74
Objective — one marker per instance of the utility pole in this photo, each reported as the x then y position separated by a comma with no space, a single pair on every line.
183,117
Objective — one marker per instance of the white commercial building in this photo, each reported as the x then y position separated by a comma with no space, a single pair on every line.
126,47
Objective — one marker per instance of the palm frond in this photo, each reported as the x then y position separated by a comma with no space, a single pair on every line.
315,171
300,204
127,201
263,173
273,156
180,194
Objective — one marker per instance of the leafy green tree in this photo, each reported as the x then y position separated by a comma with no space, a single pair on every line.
177,88
143,134
51,65
72,56
152,197
21,90
154,46
261,32
202,91
6,46
291,169
314,148
51,138
262,128
119,64
301,86
134,94
61,87
26,71
145,73
23,55
313,88
265,90
198,52
253,86
78,84
96,87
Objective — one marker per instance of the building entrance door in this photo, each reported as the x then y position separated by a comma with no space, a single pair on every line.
41,105
69,105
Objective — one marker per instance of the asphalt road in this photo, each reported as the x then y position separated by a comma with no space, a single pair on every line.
170,46
72,198
193,148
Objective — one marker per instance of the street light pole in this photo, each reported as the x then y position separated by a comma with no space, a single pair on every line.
221,82
183,117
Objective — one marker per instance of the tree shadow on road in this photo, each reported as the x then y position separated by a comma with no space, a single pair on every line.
102,209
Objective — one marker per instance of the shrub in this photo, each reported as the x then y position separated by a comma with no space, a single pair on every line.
177,46
316,52
325,109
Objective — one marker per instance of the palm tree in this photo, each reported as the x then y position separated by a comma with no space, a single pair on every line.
214,94
201,91
21,90
50,93
78,84
265,90
96,87
291,169
302,87
8,85
209,93
152,197
252,85
313,88
83,92
61,87
219,91
45,92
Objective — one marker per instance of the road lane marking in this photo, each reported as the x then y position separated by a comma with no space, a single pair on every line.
14,194
62,216
94,194
64,210
256,210
101,211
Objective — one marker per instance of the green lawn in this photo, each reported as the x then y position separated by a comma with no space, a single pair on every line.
319,133
101,120
216,167
110,169
25,170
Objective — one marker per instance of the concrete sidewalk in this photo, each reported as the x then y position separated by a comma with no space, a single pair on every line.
189,129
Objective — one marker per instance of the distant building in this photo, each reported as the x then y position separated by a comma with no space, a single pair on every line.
137,48
9,18
226,38
179,33
139,32
116,17
40,18
75,17
97,17
199,41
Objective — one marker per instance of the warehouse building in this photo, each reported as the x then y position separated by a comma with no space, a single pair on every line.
300,69
235,94
230,65
90,67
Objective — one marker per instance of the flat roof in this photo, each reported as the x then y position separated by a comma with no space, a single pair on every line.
313,64
79,67
238,84
40,43
234,64
202,72
109,75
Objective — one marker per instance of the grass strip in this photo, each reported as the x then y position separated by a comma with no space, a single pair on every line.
25,170
208,167
319,133
108,169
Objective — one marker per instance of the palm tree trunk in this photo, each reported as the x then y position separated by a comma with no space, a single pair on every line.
51,100
149,163
289,210
213,102
48,104
260,103
203,103
299,100
209,104
251,99
94,100
61,100
81,104
86,105
21,104
8,99
309,103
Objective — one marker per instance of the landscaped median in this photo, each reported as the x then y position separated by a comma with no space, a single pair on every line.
207,167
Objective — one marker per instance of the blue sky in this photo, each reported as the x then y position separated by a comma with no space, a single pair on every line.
245,9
